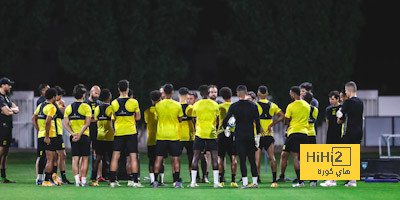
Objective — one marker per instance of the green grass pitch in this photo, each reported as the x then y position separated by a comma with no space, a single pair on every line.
21,168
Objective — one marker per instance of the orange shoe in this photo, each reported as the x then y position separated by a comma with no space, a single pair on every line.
56,179
47,184
94,183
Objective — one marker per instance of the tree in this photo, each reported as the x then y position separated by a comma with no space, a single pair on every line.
284,43
135,40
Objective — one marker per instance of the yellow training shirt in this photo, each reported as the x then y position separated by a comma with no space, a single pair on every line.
42,111
167,113
124,109
77,116
150,119
299,112
311,122
206,112
186,129
266,115
103,115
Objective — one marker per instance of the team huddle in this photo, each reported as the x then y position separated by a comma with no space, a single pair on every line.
208,129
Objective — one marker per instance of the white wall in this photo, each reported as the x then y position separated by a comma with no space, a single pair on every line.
389,106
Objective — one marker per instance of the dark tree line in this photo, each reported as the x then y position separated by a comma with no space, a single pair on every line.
150,42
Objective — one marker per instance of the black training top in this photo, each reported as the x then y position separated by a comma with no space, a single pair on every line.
5,101
246,114
40,100
334,132
353,110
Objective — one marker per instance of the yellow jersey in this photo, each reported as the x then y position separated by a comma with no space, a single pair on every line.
167,113
186,127
42,111
150,119
311,121
103,115
299,112
77,113
124,109
59,118
223,109
268,110
206,112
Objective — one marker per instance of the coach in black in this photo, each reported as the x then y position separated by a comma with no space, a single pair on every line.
351,113
246,115
8,109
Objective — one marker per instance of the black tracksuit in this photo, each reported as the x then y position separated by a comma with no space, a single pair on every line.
246,114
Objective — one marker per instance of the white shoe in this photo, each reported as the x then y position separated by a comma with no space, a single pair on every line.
206,180
130,183
313,184
113,184
351,184
193,185
137,185
298,185
328,184
218,185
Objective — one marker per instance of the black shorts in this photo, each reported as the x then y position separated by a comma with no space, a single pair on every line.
104,147
41,147
53,144
312,139
60,143
81,147
265,142
226,145
351,138
292,143
151,152
204,145
93,134
245,147
171,147
126,143
188,145
5,135
333,137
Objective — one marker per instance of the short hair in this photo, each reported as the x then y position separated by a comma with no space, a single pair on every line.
42,86
60,91
79,91
123,85
194,94
343,92
183,91
263,89
168,88
352,86
155,95
334,94
212,86
203,89
50,93
252,94
104,94
308,96
295,89
226,93
241,88
130,92
306,85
